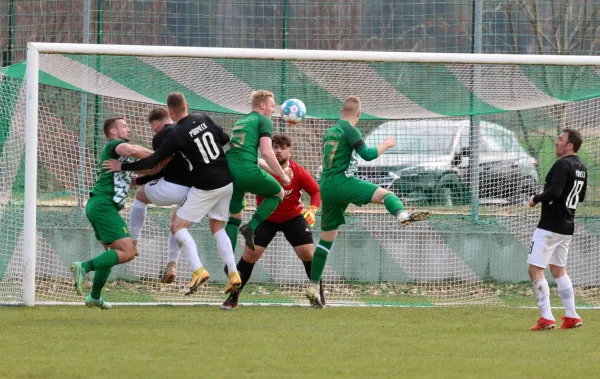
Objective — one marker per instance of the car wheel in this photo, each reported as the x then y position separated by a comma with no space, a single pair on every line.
449,191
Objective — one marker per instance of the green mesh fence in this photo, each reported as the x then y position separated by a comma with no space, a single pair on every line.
455,258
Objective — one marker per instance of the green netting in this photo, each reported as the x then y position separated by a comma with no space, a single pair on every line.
467,254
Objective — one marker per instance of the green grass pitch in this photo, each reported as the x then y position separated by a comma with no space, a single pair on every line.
292,342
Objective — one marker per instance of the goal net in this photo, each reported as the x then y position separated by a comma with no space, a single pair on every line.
475,138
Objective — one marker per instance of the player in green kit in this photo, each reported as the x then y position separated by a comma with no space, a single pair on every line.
251,133
339,188
107,198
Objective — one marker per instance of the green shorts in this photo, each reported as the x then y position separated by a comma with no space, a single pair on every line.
108,224
254,180
339,192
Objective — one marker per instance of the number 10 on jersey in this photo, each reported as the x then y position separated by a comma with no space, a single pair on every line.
208,148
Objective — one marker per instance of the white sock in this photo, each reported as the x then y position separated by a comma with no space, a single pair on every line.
137,217
174,250
188,247
542,293
565,291
225,249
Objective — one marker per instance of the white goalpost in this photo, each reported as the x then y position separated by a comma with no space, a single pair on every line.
426,100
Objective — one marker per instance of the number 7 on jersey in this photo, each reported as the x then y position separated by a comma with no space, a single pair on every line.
330,148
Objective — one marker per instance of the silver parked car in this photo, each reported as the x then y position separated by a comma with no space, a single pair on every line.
432,163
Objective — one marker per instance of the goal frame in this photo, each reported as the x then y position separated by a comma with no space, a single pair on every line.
34,49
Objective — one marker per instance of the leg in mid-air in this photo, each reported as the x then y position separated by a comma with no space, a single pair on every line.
214,204
170,272
395,207
137,216
185,241
217,228
159,192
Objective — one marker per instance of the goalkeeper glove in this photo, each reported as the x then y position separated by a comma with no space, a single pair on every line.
310,215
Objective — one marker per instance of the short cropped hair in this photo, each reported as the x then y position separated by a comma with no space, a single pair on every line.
574,137
158,114
282,140
176,101
259,96
108,124
351,104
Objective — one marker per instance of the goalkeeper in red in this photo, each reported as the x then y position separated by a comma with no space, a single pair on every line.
342,144
290,217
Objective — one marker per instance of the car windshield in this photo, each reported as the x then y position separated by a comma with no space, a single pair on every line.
494,140
415,140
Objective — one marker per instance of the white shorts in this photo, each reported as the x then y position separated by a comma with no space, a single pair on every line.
548,248
199,203
160,192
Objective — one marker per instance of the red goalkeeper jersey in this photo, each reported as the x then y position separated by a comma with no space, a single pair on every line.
292,206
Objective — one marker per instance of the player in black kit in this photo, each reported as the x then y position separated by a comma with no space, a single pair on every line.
201,141
564,189
169,186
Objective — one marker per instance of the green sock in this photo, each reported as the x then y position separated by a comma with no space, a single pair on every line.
103,261
100,278
319,260
232,227
264,210
393,204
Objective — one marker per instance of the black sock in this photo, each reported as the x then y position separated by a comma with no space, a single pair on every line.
245,270
308,268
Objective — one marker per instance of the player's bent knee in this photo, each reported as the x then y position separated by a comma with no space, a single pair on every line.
379,195
329,235
124,248
253,256
535,272
305,252
557,271
215,225
236,215
178,223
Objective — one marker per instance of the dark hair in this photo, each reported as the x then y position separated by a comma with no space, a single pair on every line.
176,101
158,114
574,137
108,124
282,140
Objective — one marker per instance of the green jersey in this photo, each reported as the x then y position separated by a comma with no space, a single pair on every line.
113,185
245,138
339,150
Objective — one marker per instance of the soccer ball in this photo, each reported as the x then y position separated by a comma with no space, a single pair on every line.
293,111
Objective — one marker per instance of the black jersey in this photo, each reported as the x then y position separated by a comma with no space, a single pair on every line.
177,170
564,189
201,141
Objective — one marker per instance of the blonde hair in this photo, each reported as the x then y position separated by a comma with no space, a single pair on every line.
260,96
351,105
176,101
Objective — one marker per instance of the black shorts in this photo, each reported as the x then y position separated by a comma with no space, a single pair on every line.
295,230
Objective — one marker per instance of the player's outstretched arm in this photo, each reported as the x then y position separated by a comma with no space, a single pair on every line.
166,150
130,150
354,139
266,149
